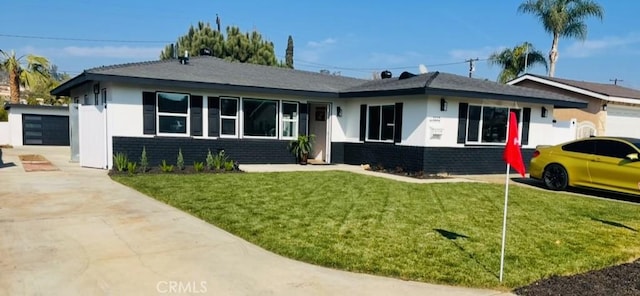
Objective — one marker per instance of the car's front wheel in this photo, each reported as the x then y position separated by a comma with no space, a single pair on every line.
555,177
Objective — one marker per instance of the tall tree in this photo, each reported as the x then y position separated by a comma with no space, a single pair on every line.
34,71
562,18
515,60
41,89
289,54
237,46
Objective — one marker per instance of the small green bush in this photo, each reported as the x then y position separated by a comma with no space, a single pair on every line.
198,166
120,161
166,168
209,160
229,165
144,162
131,168
219,160
180,160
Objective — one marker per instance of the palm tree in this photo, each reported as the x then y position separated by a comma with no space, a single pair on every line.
36,70
515,61
562,18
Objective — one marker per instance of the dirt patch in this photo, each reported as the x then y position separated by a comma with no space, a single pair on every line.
620,280
398,171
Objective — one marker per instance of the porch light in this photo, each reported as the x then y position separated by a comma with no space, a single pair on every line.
443,104
339,111
543,112
604,107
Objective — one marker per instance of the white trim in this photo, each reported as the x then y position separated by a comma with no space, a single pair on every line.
236,118
295,120
187,116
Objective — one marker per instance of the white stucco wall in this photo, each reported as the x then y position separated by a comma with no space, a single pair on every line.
5,133
15,119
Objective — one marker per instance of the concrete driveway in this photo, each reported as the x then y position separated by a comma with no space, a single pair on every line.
75,232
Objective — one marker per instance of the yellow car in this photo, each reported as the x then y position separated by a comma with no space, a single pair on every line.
605,163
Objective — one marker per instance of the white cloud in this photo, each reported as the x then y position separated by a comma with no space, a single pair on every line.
481,53
583,49
125,52
313,50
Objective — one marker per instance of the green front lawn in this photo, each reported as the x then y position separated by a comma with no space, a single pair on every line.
439,233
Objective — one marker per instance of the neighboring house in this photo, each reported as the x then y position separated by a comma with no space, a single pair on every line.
434,122
613,110
36,125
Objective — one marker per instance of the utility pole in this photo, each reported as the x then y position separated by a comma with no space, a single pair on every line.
472,67
615,81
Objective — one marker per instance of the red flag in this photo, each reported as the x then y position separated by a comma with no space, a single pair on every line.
512,154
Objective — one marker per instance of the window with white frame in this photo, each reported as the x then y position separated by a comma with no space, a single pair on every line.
289,120
172,113
228,117
380,122
260,118
488,124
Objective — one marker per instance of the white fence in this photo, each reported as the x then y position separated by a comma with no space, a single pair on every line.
564,131
5,133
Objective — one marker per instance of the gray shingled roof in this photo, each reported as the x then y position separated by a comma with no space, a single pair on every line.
611,90
205,70
213,73
455,85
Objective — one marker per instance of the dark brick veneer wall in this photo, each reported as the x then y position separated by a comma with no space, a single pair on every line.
431,160
246,151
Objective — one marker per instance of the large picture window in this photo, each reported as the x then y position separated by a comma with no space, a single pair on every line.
381,123
487,124
289,120
228,117
173,113
260,118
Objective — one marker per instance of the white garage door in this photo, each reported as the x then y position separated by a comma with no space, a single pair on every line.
623,121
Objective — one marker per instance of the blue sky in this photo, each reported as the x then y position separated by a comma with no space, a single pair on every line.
353,38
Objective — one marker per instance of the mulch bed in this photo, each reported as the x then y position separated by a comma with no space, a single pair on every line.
620,280
186,171
400,172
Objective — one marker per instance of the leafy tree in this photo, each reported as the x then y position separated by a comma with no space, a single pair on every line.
289,54
35,70
562,18
515,60
41,89
237,46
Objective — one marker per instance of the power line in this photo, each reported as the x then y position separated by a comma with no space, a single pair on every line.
83,39
616,80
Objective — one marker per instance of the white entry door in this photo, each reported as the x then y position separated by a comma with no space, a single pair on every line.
93,138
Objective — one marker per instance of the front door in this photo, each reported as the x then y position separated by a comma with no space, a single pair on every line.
319,126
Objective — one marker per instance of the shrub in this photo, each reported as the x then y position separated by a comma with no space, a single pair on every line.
209,160
166,168
180,160
131,168
120,161
198,166
144,162
220,160
229,165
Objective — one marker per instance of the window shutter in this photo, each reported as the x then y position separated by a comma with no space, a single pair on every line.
462,122
148,113
196,115
397,133
303,119
214,116
363,122
526,119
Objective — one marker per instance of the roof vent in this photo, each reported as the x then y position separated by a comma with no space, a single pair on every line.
184,59
385,74
205,52
406,75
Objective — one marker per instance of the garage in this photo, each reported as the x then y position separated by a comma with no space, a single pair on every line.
38,125
45,130
623,121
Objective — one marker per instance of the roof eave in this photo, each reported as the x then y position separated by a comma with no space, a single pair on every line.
503,97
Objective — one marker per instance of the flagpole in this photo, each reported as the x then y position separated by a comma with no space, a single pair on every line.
504,220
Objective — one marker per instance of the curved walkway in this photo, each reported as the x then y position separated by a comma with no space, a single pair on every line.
76,232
